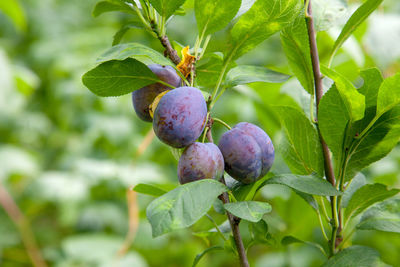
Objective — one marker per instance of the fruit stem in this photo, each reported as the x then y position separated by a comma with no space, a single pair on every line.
223,123
234,222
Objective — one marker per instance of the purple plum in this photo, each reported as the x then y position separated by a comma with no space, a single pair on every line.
248,152
180,117
200,161
143,97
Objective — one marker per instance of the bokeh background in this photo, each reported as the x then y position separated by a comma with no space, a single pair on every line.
69,158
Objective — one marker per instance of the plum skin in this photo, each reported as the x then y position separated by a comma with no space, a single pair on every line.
143,97
180,117
200,161
248,152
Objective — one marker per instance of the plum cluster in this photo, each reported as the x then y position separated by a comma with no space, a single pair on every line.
245,152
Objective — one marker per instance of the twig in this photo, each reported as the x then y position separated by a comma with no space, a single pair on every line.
133,211
171,53
329,173
28,238
234,222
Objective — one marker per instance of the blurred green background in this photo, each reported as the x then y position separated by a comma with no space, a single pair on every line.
68,158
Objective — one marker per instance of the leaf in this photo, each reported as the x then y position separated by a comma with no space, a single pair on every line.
14,10
200,255
166,7
360,15
264,18
115,78
244,74
148,189
339,108
295,42
378,134
355,184
384,216
288,240
134,50
375,144
365,197
372,81
355,256
302,149
333,118
307,184
244,192
121,32
212,16
259,231
353,100
109,6
389,94
209,69
252,211
308,198
182,206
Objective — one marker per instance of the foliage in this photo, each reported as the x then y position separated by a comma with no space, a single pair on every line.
70,159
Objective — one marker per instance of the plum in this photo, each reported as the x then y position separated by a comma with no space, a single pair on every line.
248,152
200,161
265,143
180,116
143,97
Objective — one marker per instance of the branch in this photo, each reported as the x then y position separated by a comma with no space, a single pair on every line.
15,214
169,51
329,173
234,222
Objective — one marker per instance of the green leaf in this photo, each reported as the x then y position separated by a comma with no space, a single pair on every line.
355,256
384,216
244,74
259,232
14,10
166,7
355,184
115,78
333,118
264,18
307,184
366,196
372,81
379,134
353,100
308,198
339,108
200,255
121,32
252,211
212,16
109,6
355,20
148,189
183,206
389,94
296,45
209,69
288,240
244,192
301,148
381,138
134,50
